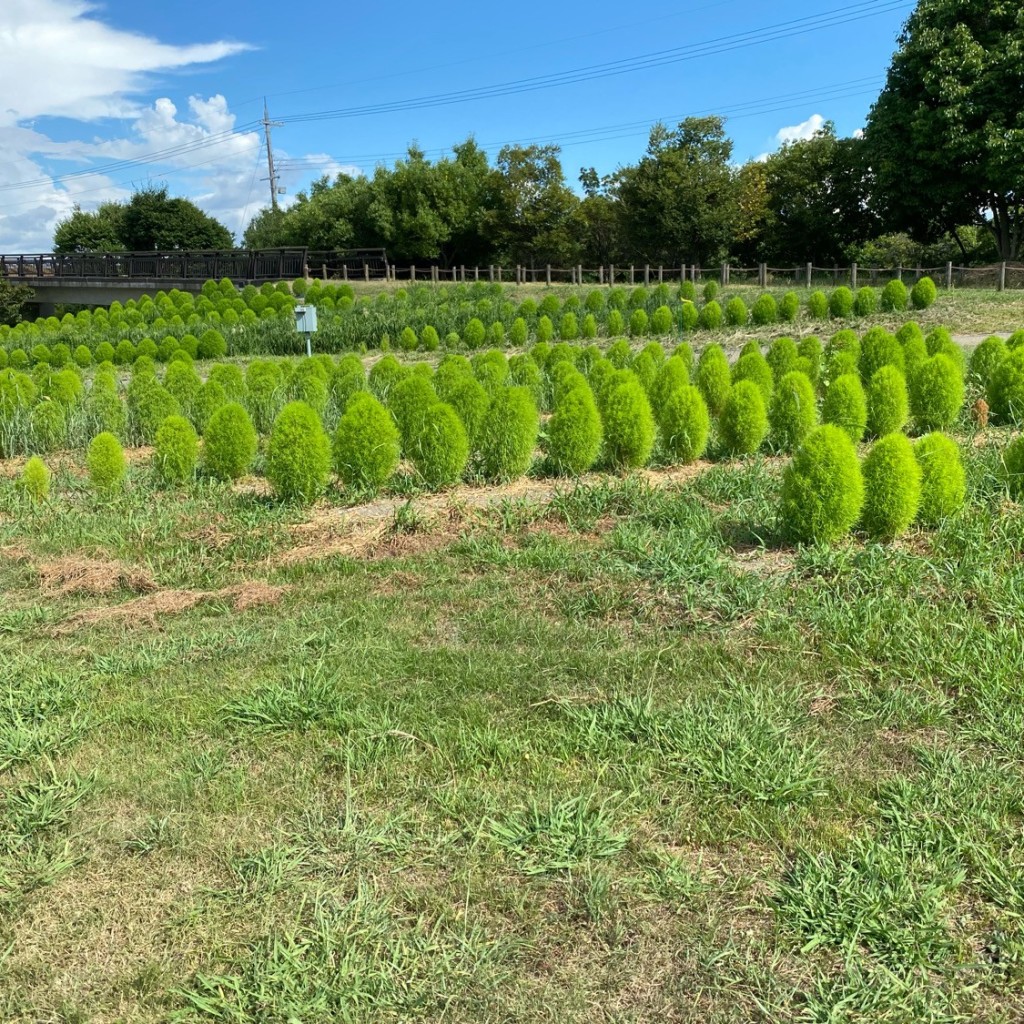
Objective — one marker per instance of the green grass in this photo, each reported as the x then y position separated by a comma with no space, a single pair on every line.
622,757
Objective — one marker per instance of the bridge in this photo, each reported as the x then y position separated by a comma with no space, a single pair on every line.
97,279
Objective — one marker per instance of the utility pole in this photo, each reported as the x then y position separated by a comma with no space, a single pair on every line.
267,125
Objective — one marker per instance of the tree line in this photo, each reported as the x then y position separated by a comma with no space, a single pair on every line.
937,175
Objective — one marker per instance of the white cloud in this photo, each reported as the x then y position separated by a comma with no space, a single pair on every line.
58,59
804,130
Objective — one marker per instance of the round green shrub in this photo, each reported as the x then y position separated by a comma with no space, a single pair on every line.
475,334
1013,466
65,387
685,424
736,314
1015,340
924,293
48,422
684,351
518,333
711,290
19,357
765,310
711,316
879,348
410,402
936,393
60,355
689,316
182,381
574,432
177,450
789,307
468,397
229,445
638,323
943,481
589,329
743,425
822,488
508,434
661,320
366,444
34,479
212,345
782,357
42,355
568,327
672,375
646,370
841,302
1006,388
545,330
550,305
104,410
793,412
230,378
147,347
407,340
894,297
189,343
298,454
940,342
384,375
210,398
265,391
817,306
149,404
846,406
491,368
106,463
429,339
595,300
441,450
810,349
892,487
866,302
713,378
986,357
525,373
616,324
754,367
629,428
688,291
888,402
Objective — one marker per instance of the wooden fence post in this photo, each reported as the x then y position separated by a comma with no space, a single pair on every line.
899,273
810,274
853,277
366,271
412,273
682,272
611,275
647,274
1002,277
949,276
661,275
725,274
499,273
600,274
433,273
490,273
579,274
632,275
547,276
762,275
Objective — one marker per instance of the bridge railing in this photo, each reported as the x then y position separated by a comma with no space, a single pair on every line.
237,264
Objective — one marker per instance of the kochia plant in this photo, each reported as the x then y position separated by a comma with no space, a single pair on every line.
229,446
508,434
298,454
943,481
743,424
892,487
575,431
106,463
366,443
685,423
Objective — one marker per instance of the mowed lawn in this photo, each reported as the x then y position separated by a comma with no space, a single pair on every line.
614,753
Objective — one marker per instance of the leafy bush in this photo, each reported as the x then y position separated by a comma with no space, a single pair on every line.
888,402
177,450
924,293
711,316
524,372
711,290
940,342
743,424
491,369
943,481
149,404
210,398
441,450
736,314
685,423
793,412
629,428
545,330
34,479
638,323
407,340
822,488
1006,388
594,302
817,306
298,454
810,349
384,375
688,291
106,463
82,356
892,487
685,352
646,370
182,381
41,354
104,411
475,334
936,393
1015,340
568,327
879,348
49,426
366,445
846,406
230,442
915,351
661,320
265,388
410,402
894,297
765,310
508,434
866,301
789,307
589,329
713,378
841,302
754,367
212,345
518,333
124,354
575,432
986,357
1013,466
672,375
689,316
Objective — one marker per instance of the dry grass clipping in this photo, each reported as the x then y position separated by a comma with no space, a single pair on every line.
76,575
147,610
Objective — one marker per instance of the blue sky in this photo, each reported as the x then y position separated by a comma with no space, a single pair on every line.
96,99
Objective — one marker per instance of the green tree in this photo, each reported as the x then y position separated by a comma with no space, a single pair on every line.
99,231
14,299
680,202
946,136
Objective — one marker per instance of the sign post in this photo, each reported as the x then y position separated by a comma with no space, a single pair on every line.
305,323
